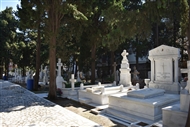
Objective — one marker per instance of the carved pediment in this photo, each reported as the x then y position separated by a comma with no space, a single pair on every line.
165,50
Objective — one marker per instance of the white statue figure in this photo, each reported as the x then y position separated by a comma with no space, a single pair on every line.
135,74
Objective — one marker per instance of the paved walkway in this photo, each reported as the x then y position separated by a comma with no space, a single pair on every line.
20,107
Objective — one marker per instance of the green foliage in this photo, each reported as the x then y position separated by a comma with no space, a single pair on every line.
8,25
184,9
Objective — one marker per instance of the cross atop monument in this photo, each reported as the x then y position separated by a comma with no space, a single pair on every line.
59,64
124,55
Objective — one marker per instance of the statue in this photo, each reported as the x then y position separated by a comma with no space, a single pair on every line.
135,74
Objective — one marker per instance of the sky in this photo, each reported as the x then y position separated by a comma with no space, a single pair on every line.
9,3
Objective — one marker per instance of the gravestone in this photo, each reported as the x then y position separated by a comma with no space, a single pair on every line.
125,76
59,79
164,68
73,92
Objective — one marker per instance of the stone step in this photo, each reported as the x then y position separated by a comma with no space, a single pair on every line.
85,100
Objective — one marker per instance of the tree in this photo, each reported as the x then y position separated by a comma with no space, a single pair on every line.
8,26
31,17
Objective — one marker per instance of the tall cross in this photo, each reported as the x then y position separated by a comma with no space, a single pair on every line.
59,64
164,74
163,67
72,80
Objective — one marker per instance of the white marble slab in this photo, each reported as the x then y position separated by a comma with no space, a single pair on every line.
145,93
173,116
148,109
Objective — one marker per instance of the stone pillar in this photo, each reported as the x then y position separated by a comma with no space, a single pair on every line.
175,69
152,69
188,81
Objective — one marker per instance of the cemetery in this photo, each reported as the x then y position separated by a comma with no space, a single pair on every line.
162,98
125,62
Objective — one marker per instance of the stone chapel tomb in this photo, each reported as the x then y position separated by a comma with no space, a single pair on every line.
164,68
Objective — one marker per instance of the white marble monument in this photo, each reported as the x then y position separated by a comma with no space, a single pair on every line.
125,75
176,115
60,82
140,105
98,95
164,68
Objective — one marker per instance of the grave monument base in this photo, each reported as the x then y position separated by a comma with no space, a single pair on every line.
176,115
140,105
173,116
171,88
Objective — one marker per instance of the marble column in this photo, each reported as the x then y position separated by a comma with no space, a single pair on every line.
175,69
152,69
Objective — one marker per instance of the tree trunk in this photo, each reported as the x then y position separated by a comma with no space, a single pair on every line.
93,57
52,59
53,27
38,44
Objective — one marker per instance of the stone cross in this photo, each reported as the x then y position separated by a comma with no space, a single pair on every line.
72,80
114,70
59,64
124,55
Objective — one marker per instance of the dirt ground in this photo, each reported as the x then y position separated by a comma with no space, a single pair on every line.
85,111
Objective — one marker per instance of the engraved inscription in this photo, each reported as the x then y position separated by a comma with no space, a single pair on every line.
164,70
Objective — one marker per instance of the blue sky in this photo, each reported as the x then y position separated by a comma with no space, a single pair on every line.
8,3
